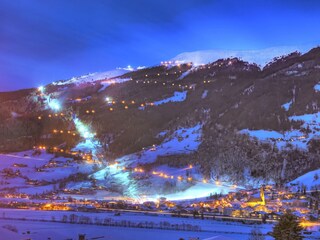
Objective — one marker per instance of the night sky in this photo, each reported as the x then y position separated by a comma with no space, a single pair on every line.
43,41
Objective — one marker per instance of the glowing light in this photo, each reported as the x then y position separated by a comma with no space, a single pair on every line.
41,89
83,129
54,105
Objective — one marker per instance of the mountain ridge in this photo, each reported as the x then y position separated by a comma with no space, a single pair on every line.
222,98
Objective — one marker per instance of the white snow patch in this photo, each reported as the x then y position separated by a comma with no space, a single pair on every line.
317,87
177,97
184,140
260,57
92,77
298,137
109,82
199,190
184,74
310,179
204,94
287,105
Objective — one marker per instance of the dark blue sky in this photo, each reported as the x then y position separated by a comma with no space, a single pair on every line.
43,41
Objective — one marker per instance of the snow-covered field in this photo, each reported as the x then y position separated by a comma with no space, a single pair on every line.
310,179
61,170
43,230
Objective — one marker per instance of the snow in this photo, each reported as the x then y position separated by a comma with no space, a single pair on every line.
89,144
184,74
297,137
317,87
7,234
32,162
260,57
107,83
307,118
92,77
218,238
262,134
58,231
294,137
177,97
54,104
182,141
204,94
287,105
199,190
310,179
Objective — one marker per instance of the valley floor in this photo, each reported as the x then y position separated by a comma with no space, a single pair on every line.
38,226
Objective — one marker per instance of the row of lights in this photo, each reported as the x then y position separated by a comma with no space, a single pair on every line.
162,175
52,115
90,111
167,74
61,132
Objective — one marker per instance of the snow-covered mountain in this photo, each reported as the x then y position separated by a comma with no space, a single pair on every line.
92,77
260,57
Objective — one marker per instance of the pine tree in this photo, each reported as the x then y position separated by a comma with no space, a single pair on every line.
287,228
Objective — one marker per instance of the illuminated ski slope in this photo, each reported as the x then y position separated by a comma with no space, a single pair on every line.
90,144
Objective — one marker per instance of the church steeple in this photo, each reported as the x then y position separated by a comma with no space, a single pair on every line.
263,200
